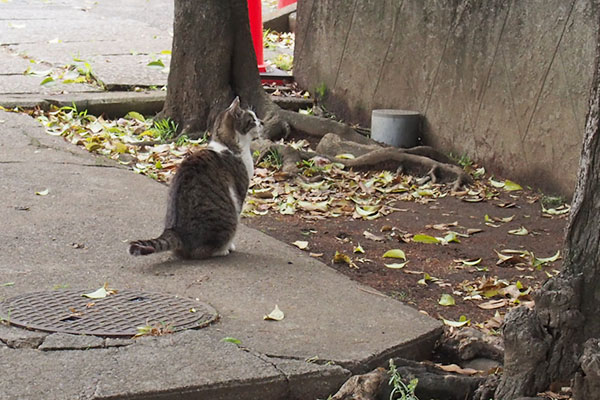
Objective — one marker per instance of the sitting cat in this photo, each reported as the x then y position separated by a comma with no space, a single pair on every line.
208,191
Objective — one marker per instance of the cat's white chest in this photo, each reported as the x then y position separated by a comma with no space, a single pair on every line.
248,162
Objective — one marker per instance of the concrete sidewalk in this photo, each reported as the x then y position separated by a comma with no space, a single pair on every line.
342,327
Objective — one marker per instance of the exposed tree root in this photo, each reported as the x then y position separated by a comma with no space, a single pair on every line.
362,387
338,138
469,343
432,383
529,335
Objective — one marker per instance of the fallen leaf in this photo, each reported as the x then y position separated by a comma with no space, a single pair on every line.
425,239
7,284
371,236
540,261
426,278
394,253
230,339
492,304
496,184
43,192
446,300
311,206
48,81
341,258
519,232
156,64
451,237
275,315
301,244
396,266
359,249
468,263
462,321
564,209
101,293
506,205
511,186
135,115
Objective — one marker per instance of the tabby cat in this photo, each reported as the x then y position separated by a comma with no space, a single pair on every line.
208,191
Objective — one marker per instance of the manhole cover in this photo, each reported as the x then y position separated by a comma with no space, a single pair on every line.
117,315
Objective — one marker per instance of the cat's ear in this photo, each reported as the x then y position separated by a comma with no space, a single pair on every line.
235,104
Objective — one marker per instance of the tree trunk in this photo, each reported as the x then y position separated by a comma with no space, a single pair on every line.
555,343
212,61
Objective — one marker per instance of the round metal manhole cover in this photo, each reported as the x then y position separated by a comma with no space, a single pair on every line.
117,315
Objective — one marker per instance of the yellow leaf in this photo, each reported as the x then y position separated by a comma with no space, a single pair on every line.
457,324
275,315
519,232
341,258
446,300
511,186
394,253
121,148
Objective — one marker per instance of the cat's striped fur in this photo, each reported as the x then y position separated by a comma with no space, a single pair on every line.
208,191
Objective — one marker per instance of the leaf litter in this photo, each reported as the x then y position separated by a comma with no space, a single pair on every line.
327,190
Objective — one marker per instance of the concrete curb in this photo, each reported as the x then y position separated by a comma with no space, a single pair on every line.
117,104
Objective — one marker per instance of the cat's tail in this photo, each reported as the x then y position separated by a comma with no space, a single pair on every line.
169,240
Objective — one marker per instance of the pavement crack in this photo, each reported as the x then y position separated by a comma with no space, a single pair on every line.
267,359
311,360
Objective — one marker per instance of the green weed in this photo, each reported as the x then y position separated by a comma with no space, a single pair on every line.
549,201
272,159
164,129
463,160
308,168
284,62
321,91
400,390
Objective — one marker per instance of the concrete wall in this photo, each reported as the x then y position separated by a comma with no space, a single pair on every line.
505,82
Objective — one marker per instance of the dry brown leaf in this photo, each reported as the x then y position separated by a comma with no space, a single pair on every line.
493,304
371,236
458,370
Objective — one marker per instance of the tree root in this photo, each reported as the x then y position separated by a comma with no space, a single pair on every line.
362,387
587,381
432,383
338,138
469,343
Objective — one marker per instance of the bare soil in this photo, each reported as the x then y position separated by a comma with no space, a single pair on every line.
328,235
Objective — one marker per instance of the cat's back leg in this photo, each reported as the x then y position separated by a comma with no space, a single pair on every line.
205,251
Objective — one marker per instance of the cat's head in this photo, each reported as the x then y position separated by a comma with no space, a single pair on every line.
235,127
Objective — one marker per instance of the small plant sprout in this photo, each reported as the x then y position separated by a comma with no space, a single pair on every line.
321,91
164,129
272,159
400,390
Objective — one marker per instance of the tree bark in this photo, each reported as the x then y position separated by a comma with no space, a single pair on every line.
547,345
213,61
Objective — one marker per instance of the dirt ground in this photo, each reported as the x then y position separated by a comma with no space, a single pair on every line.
489,282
